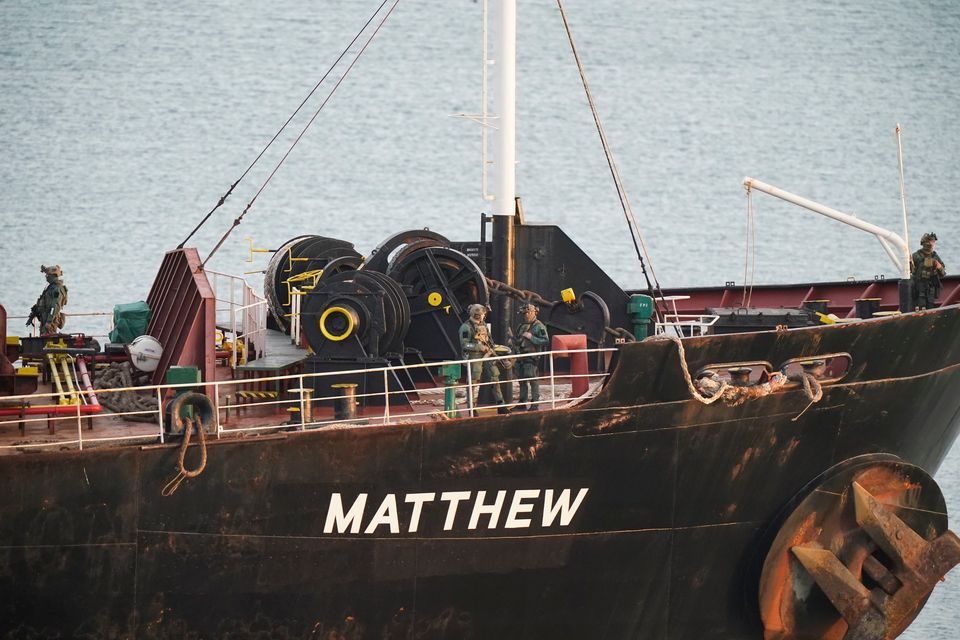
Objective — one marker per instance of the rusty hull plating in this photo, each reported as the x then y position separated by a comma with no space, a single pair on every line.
664,543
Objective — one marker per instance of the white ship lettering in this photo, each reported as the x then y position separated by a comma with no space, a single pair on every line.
480,510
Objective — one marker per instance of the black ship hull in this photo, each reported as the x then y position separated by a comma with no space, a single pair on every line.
639,514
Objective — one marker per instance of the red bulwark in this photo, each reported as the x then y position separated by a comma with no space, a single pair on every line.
183,315
840,297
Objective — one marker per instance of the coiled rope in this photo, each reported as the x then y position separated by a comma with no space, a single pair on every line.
172,486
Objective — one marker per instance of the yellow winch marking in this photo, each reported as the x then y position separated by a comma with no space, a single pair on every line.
351,324
434,299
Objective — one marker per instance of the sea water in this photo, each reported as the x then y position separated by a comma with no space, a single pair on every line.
121,125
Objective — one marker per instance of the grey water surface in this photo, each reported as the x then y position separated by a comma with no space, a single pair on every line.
122,123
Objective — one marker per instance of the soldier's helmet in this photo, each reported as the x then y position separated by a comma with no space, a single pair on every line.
51,271
476,308
928,237
529,306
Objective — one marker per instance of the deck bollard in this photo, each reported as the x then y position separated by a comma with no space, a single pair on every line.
345,406
307,399
576,344
306,404
740,376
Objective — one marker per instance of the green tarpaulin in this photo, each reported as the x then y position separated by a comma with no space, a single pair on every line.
129,321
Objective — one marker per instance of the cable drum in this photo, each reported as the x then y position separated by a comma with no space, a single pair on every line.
355,314
297,256
440,283
398,310
385,256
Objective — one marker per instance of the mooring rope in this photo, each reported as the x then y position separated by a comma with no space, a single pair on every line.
686,372
185,473
813,390
734,395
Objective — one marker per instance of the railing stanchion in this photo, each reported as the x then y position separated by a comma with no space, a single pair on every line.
469,389
79,427
303,408
553,385
160,413
216,408
386,397
233,330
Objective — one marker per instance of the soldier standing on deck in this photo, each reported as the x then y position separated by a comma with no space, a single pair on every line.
926,270
48,309
477,345
530,338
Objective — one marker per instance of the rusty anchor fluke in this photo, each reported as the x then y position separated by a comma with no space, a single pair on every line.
917,565
858,554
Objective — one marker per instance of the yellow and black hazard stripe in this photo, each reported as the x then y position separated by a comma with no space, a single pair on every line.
256,395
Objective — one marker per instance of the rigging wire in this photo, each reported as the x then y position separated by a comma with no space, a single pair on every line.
283,159
343,53
653,288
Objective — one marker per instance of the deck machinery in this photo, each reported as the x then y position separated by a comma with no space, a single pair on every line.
405,302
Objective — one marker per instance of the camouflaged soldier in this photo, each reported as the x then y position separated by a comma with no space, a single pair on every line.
476,344
926,268
48,309
530,338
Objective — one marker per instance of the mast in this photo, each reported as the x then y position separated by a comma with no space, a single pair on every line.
504,155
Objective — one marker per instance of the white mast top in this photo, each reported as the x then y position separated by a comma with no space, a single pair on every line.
504,108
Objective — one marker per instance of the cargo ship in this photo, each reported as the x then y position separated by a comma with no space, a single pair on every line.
319,460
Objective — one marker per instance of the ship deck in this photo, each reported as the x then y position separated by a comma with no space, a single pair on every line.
247,408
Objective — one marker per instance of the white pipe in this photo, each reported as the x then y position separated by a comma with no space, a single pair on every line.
87,384
845,218
505,185
485,104
890,252
903,204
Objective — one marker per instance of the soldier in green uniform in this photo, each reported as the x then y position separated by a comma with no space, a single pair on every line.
926,270
48,309
530,338
477,345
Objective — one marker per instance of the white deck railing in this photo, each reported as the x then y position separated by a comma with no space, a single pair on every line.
14,326
686,325
241,310
300,396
